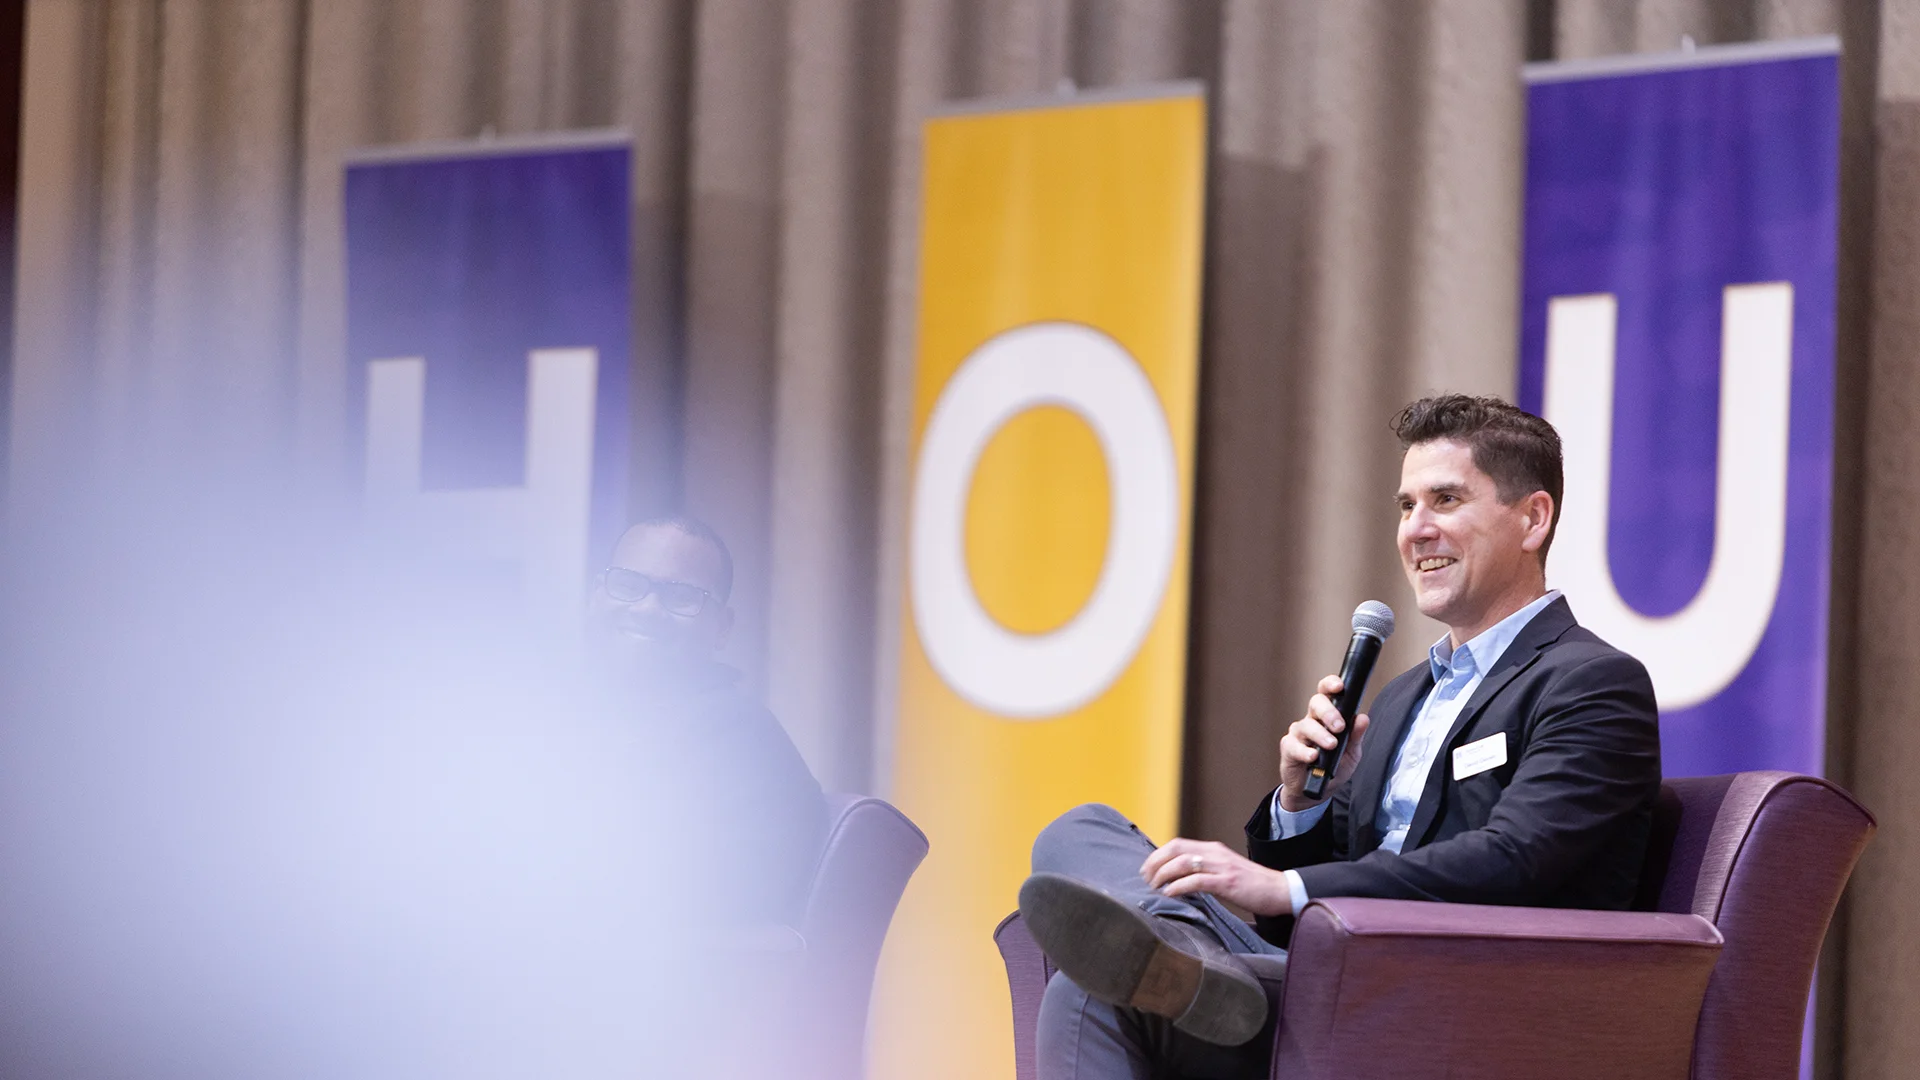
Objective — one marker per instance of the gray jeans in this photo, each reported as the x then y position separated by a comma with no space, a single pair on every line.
1083,1039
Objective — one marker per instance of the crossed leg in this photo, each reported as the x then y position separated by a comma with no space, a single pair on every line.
1083,1038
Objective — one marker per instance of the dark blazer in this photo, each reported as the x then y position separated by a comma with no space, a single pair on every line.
1563,823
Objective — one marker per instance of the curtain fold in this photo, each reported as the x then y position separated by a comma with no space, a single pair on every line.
1879,681
181,283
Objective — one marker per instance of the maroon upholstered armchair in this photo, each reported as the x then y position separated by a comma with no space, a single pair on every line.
1709,979
871,851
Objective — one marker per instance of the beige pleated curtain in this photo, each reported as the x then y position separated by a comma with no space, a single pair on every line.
181,283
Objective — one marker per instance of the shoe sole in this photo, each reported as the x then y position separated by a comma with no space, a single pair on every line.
1109,949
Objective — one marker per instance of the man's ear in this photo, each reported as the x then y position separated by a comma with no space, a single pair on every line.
1539,510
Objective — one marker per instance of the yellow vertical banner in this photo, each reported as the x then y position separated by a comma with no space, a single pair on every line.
1043,653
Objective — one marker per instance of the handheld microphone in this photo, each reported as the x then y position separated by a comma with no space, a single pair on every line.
1372,626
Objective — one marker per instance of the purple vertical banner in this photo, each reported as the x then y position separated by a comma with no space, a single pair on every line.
488,316
1678,327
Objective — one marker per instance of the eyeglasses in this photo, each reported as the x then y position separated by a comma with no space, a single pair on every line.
632,586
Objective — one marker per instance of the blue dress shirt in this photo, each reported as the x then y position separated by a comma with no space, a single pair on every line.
1456,675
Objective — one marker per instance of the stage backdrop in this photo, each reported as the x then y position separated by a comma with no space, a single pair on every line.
488,293
1044,655
1678,328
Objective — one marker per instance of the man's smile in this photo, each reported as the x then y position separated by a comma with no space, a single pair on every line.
1430,563
642,633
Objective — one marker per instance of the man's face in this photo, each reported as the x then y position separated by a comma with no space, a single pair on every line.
648,632
1467,554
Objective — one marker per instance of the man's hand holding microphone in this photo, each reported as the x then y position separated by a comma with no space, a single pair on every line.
1301,747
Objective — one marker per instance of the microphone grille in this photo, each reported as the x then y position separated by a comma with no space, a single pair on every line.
1373,617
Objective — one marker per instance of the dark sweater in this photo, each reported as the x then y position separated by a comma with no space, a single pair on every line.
741,800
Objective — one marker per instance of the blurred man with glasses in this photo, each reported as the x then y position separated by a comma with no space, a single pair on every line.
743,801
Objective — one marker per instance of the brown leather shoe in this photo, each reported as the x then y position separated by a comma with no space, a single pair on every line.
1123,956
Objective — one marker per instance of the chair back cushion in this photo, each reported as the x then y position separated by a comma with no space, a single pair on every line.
1764,857
1028,970
871,850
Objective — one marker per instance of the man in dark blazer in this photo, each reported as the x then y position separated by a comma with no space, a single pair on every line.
721,773
1519,764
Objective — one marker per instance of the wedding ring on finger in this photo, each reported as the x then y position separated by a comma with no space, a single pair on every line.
1195,863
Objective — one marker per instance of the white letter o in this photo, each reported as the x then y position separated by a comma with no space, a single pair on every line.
1034,676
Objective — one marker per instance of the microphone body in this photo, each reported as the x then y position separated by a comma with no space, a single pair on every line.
1372,625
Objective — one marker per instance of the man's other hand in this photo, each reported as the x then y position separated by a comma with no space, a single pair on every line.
1300,747
1180,866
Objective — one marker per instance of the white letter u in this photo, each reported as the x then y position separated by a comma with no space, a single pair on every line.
1694,653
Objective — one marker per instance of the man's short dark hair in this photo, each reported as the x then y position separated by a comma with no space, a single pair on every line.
1520,451
703,532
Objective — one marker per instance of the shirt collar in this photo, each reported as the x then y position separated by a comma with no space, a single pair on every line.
1485,649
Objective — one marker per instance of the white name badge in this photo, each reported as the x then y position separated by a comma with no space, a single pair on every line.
1480,755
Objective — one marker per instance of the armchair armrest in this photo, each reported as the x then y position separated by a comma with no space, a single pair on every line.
1409,989
773,955
765,939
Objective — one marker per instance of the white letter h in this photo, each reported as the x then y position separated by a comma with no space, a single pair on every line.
543,525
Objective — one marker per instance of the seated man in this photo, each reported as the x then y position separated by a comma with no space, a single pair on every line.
746,816
1518,765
